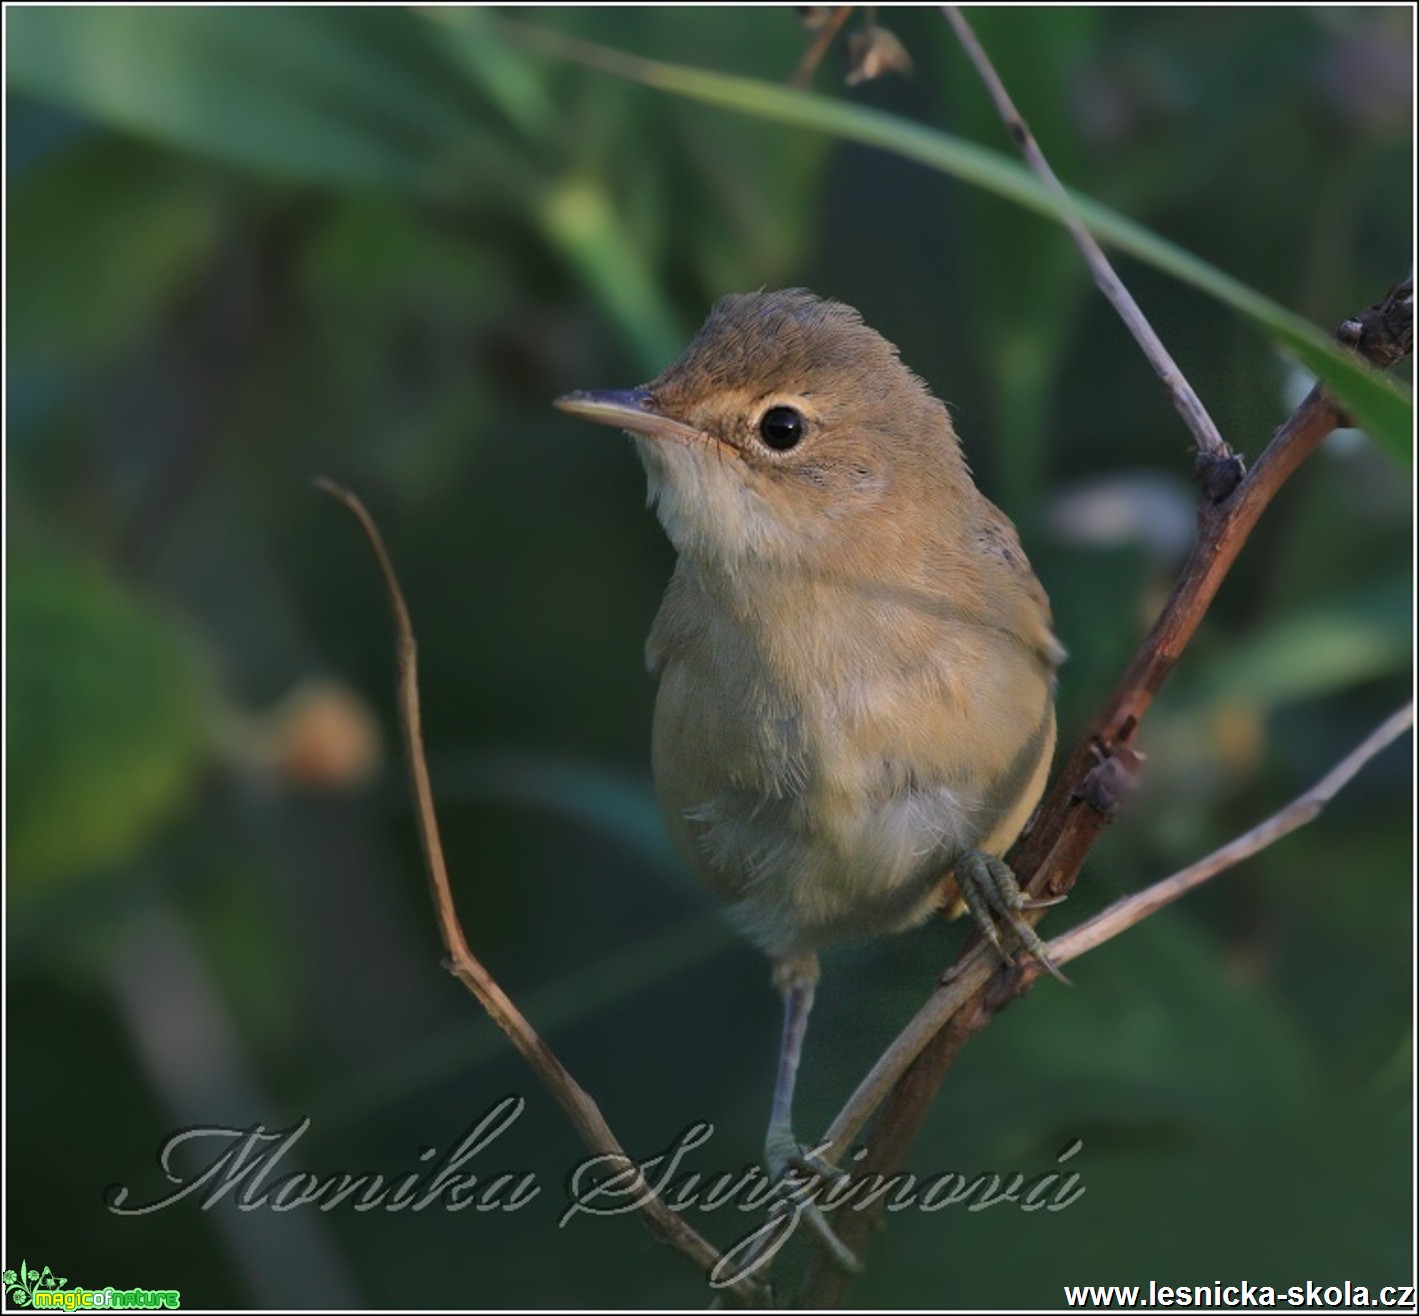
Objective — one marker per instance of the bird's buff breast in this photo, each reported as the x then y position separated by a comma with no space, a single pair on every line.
830,813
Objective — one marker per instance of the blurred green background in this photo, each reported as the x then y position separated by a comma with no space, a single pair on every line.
249,247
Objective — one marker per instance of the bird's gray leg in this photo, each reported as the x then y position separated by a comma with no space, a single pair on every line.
797,978
993,895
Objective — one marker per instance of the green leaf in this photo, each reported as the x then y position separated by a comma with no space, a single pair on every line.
366,98
1382,408
106,729
349,97
579,220
501,74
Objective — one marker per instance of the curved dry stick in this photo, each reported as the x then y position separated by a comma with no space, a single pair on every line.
583,1112
1189,406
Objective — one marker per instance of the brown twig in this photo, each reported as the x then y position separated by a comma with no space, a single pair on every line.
583,1112
1210,443
813,56
906,1078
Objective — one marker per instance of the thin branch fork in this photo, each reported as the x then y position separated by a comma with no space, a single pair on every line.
578,1105
905,1079
1124,914
1100,767
1101,764
903,1083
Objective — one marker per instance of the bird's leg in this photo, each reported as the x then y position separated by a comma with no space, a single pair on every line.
993,895
797,978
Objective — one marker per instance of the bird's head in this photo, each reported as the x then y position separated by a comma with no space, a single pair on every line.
788,430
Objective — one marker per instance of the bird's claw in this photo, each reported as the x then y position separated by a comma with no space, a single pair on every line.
994,897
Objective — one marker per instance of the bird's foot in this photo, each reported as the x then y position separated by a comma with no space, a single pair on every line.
795,1167
993,896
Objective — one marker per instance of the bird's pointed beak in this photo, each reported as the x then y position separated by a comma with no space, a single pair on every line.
630,409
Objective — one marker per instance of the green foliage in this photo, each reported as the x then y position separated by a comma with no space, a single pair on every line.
350,102
106,728
372,99
1317,651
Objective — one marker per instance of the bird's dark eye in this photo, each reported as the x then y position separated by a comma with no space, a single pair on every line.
782,428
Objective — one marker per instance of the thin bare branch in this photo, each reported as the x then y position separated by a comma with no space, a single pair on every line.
1189,406
583,1112
813,56
1123,914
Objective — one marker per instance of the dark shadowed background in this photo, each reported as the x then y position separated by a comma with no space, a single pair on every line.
249,247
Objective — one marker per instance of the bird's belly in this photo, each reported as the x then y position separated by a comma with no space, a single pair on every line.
822,810
817,866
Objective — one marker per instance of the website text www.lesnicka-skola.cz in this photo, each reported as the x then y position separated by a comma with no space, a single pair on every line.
1244,1294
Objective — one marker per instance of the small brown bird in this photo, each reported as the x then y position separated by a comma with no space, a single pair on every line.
856,662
